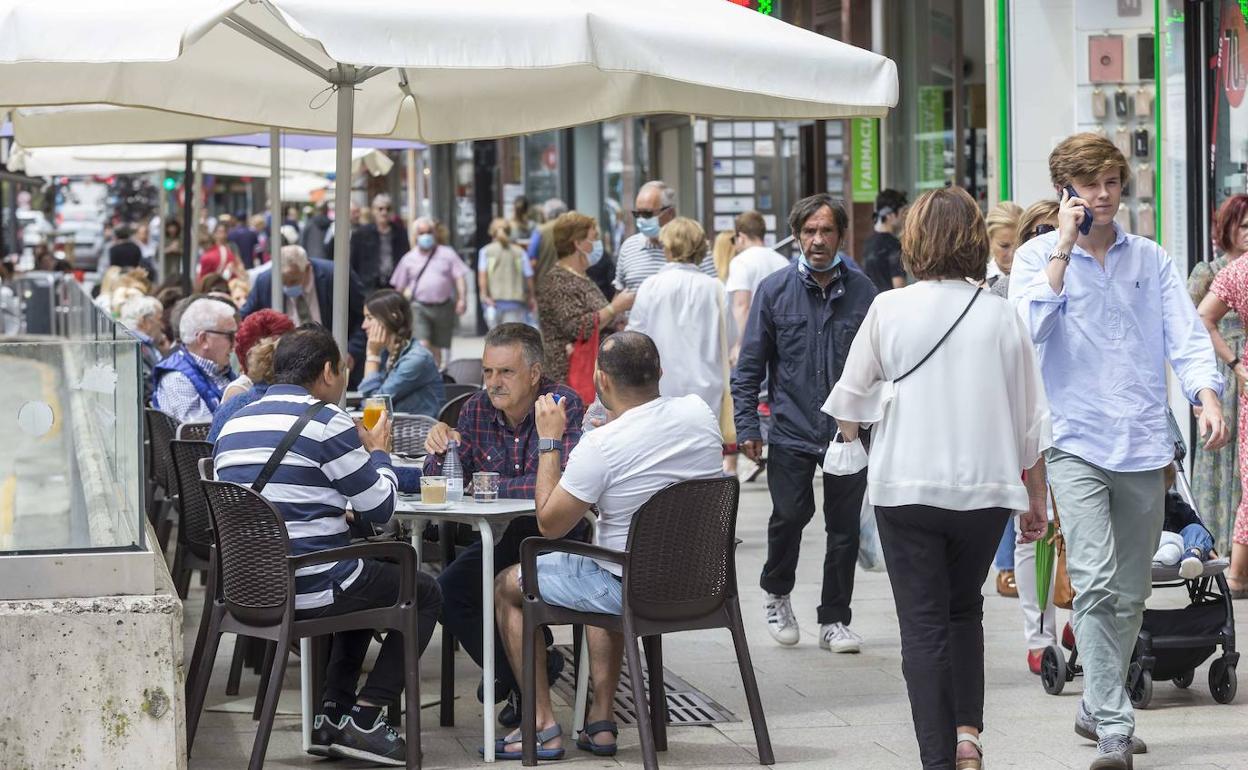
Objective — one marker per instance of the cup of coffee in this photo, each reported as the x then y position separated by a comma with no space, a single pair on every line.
433,489
485,486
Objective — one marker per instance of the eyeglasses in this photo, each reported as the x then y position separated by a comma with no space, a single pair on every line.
647,213
228,335
1042,229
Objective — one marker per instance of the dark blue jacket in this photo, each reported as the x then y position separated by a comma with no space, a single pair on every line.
798,335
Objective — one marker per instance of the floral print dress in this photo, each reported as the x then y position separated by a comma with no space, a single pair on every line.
1218,479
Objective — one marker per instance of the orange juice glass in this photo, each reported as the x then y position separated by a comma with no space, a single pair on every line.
374,407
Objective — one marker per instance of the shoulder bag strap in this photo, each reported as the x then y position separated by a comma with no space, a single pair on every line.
932,352
284,446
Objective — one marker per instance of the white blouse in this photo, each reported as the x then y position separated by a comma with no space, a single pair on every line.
957,433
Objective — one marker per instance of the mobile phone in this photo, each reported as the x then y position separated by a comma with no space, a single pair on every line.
1086,225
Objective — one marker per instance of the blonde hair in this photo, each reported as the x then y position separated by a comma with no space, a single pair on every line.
684,240
1084,157
1036,214
724,250
1003,215
260,359
945,236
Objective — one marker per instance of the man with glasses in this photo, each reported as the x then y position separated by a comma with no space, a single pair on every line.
802,322
378,246
188,383
641,254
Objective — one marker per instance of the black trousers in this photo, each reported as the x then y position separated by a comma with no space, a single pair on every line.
790,479
937,562
376,586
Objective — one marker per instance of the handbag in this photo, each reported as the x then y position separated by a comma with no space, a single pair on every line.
1063,591
581,364
727,426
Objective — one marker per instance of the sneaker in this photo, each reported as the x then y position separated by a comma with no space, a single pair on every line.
781,623
509,716
1113,752
379,744
837,637
1085,727
1191,567
325,732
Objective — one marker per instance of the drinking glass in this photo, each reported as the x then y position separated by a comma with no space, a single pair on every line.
485,486
374,407
433,489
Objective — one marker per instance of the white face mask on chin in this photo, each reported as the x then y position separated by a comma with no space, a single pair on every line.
845,458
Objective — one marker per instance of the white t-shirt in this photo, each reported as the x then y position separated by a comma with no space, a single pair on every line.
748,269
621,465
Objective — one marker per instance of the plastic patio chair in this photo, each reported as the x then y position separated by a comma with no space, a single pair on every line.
454,390
679,574
466,371
252,593
161,428
194,431
449,413
194,525
410,432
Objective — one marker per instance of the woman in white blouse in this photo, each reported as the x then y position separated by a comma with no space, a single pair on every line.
947,375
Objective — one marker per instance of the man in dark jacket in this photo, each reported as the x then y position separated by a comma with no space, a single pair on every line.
801,323
378,246
308,296
315,232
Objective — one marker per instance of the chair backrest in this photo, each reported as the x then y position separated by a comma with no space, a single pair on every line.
449,413
255,581
455,389
680,545
161,429
194,523
194,431
206,471
410,432
466,371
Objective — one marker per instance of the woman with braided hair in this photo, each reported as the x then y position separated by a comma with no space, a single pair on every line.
394,366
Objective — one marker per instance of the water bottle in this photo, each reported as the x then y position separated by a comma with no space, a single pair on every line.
596,413
454,473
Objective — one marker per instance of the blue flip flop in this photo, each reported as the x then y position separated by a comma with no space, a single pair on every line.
543,753
598,750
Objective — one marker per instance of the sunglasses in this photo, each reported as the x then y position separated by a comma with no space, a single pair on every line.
229,335
1042,229
647,213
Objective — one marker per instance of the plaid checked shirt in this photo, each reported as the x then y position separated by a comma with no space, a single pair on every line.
490,444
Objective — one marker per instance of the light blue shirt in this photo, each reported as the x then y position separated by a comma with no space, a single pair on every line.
1103,344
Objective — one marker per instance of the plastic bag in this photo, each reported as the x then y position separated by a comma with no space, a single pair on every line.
870,551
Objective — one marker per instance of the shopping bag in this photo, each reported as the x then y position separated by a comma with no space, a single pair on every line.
870,551
581,364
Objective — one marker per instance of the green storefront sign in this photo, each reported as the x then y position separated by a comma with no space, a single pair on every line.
865,159
931,137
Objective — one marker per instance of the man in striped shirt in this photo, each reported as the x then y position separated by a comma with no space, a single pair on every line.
641,254
331,464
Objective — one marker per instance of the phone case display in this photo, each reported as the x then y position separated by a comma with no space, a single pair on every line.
1117,100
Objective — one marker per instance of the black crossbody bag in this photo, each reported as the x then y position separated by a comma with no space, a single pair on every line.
284,446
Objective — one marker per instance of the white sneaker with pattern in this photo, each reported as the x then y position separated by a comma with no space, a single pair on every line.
781,623
838,637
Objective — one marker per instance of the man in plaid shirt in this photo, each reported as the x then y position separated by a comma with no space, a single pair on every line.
496,432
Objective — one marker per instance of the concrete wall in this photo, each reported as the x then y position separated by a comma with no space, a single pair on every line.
93,683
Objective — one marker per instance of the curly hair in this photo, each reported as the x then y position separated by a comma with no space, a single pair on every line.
1226,222
259,325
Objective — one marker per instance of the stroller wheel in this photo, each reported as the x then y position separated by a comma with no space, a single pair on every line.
1139,686
1184,680
1053,670
1222,682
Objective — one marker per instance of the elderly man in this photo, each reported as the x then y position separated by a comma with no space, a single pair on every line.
379,245
617,468
435,279
542,252
496,432
800,327
143,317
189,381
308,296
641,254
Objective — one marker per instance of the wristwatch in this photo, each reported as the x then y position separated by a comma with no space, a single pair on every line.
1059,254
1234,363
549,445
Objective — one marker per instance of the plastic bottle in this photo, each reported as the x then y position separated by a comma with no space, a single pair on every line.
595,416
454,473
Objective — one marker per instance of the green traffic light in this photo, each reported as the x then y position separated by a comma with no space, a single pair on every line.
170,183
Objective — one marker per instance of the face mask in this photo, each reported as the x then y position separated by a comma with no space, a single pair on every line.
649,227
425,241
811,268
844,458
293,291
595,253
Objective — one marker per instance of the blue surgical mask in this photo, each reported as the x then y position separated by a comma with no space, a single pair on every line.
811,268
595,253
426,241
293,291
649,227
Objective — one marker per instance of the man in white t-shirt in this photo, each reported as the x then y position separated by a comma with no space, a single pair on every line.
650,443
746,271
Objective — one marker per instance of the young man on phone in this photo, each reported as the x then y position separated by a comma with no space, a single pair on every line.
1107,311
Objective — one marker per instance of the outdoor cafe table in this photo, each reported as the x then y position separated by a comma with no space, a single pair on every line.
490,520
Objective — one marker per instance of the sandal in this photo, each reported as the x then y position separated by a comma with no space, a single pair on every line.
971,763
543,753
1237,593
598,749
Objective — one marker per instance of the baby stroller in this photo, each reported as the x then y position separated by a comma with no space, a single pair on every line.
1171,643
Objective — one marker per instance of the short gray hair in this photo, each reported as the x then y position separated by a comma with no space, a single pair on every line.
294,255
553,208
382,198
136,309
667,196
528,338
204,314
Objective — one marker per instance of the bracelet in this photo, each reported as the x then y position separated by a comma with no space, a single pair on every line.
373,359
1062,255
1234,363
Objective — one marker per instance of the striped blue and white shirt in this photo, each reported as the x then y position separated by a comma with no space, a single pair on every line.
326,468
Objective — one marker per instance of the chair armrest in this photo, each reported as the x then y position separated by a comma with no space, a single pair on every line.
401,552
532,547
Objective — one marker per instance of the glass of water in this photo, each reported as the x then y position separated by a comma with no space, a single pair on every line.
485,486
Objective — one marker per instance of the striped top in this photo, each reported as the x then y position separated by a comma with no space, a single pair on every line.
326,468
640,258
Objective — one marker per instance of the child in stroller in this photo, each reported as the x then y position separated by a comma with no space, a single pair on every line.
1184,540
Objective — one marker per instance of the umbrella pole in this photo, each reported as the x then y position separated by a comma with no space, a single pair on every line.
275,218
342,206
188,227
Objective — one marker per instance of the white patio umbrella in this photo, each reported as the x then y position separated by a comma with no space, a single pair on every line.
220,159
481,68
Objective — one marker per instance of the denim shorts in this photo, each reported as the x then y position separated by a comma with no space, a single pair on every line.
579,583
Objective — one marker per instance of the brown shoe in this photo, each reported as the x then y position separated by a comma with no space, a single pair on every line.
1006,585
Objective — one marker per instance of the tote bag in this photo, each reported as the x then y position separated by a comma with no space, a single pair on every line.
581,364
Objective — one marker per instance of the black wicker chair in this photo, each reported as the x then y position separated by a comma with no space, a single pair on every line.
252,593
194,431
466,371
410,432
679,575
449,413
161,429
194,525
